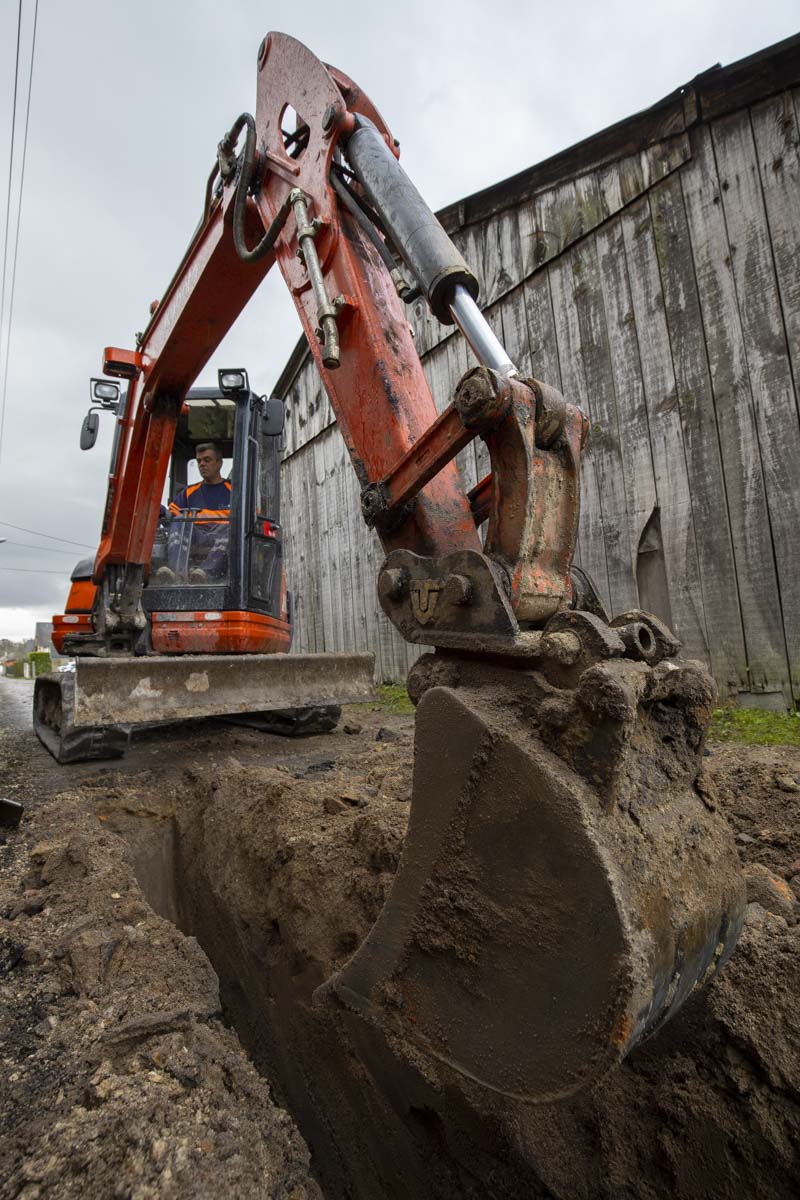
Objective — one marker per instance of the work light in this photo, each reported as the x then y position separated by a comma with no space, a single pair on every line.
233,382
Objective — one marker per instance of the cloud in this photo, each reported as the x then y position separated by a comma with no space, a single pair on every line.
18,624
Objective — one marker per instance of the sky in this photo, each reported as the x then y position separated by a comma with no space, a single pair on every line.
128,104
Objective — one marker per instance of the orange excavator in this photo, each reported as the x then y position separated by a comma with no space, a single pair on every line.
566,880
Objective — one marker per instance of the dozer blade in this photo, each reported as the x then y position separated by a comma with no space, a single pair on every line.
87,713
565,881
142,690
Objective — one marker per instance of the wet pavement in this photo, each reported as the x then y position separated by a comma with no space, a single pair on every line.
16,703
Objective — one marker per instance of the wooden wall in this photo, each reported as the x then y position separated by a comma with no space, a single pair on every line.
661,291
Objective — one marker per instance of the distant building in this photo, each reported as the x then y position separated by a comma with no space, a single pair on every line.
43,637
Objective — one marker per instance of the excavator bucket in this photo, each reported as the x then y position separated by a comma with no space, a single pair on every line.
88,713
566,881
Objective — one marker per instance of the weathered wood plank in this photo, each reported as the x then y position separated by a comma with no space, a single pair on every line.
501,256
584,296
324,617
345,477
776,127
363,580
292,550
632,428
516,330
755,565
292,404
558,216
767,359
700,437
542,335
666,434
336,463
301,538
297,537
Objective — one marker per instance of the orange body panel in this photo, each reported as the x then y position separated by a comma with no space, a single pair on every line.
219,633
70,623
78,615
81,596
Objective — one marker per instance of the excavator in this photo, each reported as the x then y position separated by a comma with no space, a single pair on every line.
212,634
567,880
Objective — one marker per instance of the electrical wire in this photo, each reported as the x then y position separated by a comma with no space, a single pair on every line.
31,571
10,168
46,549
51,536
19,220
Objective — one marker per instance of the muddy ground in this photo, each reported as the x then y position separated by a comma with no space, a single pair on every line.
132,1068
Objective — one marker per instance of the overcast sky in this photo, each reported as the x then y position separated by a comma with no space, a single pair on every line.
129,101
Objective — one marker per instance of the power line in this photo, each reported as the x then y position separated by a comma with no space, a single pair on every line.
10,167
19,220
46,549
51,536
30,571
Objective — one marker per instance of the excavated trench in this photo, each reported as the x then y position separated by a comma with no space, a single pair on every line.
280,878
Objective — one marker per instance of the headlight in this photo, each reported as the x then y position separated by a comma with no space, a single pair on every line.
232,382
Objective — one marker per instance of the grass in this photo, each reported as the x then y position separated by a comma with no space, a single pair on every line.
394,698
755,727
748,726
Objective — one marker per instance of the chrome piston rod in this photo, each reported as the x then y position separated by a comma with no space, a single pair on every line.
485,345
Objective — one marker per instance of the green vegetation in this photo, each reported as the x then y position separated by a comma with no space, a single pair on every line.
749,726
391,697
755,727
40,661
394,698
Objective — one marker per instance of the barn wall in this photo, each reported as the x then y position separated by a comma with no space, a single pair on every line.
661,292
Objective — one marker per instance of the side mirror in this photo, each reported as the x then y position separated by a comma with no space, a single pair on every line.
89,428
273,417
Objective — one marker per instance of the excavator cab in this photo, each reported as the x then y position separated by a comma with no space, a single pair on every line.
216,582
217,577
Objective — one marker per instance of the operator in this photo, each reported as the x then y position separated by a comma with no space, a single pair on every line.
210,500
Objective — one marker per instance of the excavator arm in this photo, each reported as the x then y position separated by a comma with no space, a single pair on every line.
566,881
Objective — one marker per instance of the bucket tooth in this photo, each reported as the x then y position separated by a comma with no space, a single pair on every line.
565,883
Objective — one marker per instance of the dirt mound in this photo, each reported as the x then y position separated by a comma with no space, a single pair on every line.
283,876
121,1078
759,787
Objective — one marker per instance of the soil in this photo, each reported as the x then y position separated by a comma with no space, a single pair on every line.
132,1068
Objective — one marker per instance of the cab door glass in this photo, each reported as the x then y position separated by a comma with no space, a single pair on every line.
191,547
265,547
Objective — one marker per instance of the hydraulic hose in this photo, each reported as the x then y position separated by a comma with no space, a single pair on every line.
245,163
